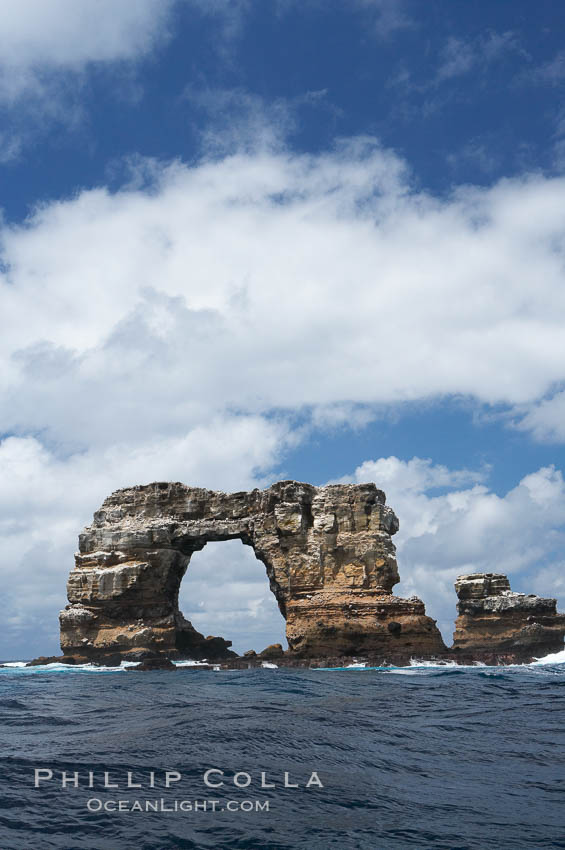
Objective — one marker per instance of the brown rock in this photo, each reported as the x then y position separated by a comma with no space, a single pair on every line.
52,659
327,551
275,650
494,619
44,659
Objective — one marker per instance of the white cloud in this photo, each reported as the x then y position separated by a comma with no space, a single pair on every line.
478,152
388,16
457,58
471,529
385,17
418,474
271,280
236,118
545,419
38,37
551,72
47,50
460,56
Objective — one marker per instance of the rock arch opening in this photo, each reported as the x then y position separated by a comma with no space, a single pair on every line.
225,591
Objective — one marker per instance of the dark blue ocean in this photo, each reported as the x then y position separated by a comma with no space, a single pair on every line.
450,758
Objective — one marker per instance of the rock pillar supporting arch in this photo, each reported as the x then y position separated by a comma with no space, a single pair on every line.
327,551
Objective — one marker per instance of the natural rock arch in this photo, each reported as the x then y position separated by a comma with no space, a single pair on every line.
327,551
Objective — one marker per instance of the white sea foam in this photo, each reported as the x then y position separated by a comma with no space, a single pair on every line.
417,666
422,668
409,671
57,667
89,668
553,658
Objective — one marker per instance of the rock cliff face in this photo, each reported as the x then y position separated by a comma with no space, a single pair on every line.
493,619
327,552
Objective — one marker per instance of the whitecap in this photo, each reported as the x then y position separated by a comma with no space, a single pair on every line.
407,671
553,658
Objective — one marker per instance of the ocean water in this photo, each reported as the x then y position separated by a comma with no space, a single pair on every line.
421,757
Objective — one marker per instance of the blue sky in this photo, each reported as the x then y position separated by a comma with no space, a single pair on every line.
244,241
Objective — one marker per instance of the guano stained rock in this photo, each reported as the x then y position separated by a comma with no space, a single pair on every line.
497,621
330,562
327,551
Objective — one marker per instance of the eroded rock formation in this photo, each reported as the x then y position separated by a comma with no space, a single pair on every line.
493,619
327,551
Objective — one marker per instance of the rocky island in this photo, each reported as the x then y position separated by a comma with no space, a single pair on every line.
496,623
330,560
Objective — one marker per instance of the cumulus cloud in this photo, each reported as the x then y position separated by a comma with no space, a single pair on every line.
271,280
466,528
545,420
38,37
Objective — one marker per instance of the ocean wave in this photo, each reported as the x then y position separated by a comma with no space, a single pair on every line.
416,664
58,667
553,658
472,755
12,703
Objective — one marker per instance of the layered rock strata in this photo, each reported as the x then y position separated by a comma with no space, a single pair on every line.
327,551
494,619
